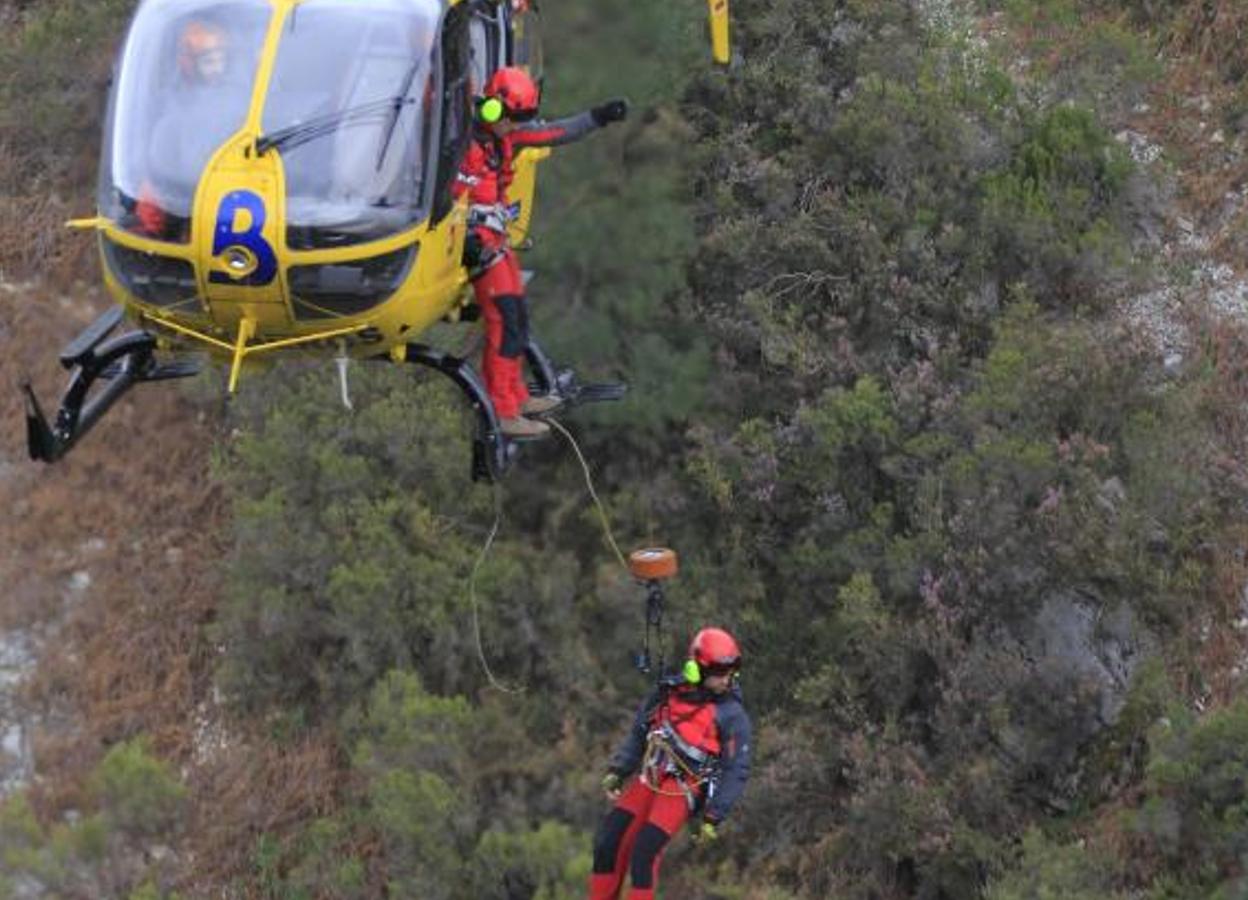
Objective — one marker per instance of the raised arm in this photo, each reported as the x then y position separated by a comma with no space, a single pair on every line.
541,133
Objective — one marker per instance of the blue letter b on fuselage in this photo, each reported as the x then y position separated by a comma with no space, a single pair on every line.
250,240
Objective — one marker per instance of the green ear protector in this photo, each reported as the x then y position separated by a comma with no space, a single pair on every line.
490,110
692,672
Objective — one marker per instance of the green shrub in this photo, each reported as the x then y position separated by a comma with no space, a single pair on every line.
137,793
1048,870
100,853
550,862
51,98
1054,213
1196,812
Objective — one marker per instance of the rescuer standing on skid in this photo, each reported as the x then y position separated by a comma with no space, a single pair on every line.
505,123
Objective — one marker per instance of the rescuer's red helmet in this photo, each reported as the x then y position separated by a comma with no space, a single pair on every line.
516,91
715,651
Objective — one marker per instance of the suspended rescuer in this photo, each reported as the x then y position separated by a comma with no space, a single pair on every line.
688,754
506,122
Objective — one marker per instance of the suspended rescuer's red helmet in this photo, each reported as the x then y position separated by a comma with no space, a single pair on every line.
512,93
715,652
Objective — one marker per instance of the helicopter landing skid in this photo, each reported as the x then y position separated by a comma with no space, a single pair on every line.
563,383
492,452
123,362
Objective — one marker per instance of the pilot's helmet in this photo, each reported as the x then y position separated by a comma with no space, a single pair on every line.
201,51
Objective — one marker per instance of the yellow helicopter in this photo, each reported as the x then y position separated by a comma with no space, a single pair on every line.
289,190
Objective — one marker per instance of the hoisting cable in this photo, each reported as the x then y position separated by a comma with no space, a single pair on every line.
472,595
589,483
654,589
654,626
489,542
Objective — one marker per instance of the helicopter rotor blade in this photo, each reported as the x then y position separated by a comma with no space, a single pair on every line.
720,49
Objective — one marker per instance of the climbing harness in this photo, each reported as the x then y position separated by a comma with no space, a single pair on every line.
493,216
668,755
661,761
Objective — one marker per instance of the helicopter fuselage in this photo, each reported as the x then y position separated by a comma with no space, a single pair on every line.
300,200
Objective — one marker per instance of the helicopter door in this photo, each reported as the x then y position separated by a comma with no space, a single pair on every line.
455,57
525,51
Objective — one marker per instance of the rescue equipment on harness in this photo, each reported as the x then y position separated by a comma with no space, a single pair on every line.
668,754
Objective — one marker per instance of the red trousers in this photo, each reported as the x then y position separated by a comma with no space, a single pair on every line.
632,839
500,294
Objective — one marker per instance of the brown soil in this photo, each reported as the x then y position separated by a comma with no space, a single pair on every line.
135,508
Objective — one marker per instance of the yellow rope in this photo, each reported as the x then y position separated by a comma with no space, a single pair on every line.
589,483
472,595
489,542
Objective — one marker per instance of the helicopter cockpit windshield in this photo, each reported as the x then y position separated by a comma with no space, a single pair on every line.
350,109
184,85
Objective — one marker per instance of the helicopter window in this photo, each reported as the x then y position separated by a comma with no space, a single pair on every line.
352,93
526,39
484,46
183,86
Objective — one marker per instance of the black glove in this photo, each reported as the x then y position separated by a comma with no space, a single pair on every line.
611,111
612,783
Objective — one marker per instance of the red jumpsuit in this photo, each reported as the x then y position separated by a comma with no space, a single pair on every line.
485,176
693,747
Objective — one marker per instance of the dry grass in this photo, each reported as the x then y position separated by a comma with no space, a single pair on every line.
133,508
257,788
36,244
130,507
1215,33
1223,654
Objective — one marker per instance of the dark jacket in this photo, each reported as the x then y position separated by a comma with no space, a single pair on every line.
715,723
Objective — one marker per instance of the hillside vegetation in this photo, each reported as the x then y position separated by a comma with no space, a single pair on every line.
982,543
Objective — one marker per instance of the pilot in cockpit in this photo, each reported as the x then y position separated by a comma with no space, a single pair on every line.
205,99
